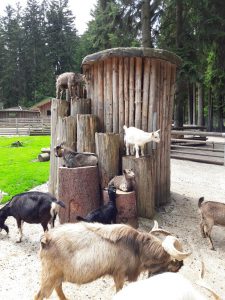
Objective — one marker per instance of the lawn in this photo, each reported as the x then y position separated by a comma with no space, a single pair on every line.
19,169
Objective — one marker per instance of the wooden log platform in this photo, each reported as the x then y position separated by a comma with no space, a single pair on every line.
79,189
107,149
143,168
126,206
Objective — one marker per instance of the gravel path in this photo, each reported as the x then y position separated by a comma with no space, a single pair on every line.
20,266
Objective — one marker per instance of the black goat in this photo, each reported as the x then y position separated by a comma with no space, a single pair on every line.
31,207
105,214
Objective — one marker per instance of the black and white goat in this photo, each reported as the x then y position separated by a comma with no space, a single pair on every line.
105,214
31,207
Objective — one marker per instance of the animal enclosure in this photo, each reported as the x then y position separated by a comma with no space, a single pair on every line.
132,87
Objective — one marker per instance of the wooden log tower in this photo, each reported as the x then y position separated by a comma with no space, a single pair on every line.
125,86
137,86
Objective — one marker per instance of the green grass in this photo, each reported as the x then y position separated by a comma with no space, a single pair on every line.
19,169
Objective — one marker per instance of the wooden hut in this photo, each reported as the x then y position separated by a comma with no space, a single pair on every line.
135,87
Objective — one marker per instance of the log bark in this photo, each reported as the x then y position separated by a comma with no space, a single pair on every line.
115,89
138,95
59,108
87,126
145,112
101,96
79,189
131,93
107,149
126,206
145,182
45,150
43,157
80,106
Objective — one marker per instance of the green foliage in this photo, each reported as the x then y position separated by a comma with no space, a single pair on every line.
20,170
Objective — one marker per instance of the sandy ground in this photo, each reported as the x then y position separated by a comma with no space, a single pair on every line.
20,265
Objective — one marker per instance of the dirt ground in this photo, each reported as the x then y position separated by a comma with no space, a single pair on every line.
20,265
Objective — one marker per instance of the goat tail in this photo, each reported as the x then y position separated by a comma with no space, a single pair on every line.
61,203
124,127
200,201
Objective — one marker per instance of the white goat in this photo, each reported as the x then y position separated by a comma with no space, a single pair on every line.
138,138
165,286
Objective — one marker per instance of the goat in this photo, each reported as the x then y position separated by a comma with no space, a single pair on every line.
70,81
31,207
125,182
105,214
83,252
138,138
74,159
169,286
212,213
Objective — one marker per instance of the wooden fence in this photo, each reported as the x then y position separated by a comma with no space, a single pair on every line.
195,146
25,126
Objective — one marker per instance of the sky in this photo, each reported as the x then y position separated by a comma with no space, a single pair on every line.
80,8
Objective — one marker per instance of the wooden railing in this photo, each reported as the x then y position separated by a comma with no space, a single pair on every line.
194,145
24,126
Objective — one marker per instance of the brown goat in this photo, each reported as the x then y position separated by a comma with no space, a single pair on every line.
70,81
83,252
125,182
212,213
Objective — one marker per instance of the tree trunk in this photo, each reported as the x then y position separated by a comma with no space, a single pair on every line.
178,114
190,104
194,104
210,111
146,24
200,105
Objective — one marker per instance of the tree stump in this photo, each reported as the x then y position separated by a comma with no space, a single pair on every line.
126,206
79,189
80,106
87,125
145,183
107,149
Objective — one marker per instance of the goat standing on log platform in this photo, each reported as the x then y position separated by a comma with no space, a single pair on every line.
31,207
68,81
136,138
83,252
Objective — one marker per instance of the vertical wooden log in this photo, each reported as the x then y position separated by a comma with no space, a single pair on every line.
92,89
145,105
108,99
126,91
145,191
95,92
115,95
131,92
59,108
79,189
87,126
121,96
80,106
101,95
107,149
138,91
70,124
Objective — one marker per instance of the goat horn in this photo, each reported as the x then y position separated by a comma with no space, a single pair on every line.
155,229
174,248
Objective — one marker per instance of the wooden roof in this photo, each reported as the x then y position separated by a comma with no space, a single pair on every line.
133,52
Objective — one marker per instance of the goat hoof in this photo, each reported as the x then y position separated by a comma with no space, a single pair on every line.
19,241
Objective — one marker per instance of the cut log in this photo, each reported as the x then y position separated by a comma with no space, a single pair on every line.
107,149
59,109
126,206
87,126
79,190
45,150
80,106
145,183
44,157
